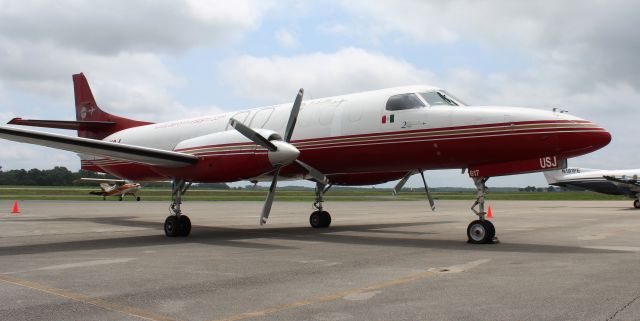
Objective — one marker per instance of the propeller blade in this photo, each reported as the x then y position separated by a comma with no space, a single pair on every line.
314,173
252,135
266,209
426,188
291,124
401,183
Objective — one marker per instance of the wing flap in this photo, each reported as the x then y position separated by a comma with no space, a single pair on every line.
132,153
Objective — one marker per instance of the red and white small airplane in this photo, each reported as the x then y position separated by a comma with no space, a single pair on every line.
358,139
110,187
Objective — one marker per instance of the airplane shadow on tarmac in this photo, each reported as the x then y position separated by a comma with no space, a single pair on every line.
242,237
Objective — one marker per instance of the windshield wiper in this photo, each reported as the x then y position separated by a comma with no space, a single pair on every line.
445,98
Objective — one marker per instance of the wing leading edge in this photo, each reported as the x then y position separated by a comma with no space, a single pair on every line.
132,153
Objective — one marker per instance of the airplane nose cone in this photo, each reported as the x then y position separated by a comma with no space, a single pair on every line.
589,138
284,155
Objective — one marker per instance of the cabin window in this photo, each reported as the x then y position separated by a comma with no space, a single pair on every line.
404,101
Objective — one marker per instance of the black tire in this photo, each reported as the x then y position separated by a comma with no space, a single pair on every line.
325,218
138,198
314,219
480,232
491,229
184,225
120,198
320,219
171,226
636,204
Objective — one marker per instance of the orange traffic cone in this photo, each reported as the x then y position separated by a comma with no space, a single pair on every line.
15,209
489,214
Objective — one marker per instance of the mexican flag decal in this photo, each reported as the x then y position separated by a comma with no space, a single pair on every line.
387,118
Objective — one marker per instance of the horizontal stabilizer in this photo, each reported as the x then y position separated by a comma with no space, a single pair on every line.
63,124
132,153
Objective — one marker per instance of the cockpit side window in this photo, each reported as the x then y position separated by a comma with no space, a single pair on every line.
404,101
436,98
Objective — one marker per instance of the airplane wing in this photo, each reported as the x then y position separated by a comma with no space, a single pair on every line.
62,124
132,153
623,180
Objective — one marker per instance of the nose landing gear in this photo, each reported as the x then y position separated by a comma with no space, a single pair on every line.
481,231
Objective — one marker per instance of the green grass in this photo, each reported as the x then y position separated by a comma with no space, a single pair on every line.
159,194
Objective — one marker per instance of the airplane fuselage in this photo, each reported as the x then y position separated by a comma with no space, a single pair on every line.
354,139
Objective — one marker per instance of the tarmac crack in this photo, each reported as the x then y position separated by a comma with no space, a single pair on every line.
613,316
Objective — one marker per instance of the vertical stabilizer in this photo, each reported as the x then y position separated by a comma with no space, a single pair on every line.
87,110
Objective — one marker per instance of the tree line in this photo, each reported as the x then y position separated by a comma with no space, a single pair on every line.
61,176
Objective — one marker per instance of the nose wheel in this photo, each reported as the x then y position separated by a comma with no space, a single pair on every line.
481,231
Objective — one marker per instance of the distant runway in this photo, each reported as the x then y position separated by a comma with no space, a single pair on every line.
557,260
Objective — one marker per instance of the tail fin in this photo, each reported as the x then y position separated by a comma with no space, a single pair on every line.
87,111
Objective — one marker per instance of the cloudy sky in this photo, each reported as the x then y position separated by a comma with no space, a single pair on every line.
161,60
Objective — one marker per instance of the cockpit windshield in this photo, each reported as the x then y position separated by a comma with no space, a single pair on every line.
441,98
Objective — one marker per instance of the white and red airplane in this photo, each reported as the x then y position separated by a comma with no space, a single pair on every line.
114,187
358,139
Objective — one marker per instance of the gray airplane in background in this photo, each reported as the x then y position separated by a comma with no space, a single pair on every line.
613,182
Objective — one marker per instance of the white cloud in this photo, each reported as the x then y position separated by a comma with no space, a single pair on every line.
119,45
285,39
582,42
108,27
276,79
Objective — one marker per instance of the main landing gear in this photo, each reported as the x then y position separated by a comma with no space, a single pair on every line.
320,218
636,203
177,224
481,230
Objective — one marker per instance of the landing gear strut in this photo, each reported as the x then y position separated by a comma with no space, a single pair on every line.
320,218
177,224
481,230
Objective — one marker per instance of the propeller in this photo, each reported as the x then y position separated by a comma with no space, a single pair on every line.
281,153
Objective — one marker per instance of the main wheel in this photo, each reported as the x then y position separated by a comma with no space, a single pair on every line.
171,226
185,225
320,219
120,198
636,204
480,232
138,198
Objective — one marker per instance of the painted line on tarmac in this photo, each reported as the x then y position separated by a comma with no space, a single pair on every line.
83,298
430,273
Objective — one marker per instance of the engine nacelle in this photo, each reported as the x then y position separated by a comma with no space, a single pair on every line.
225,156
